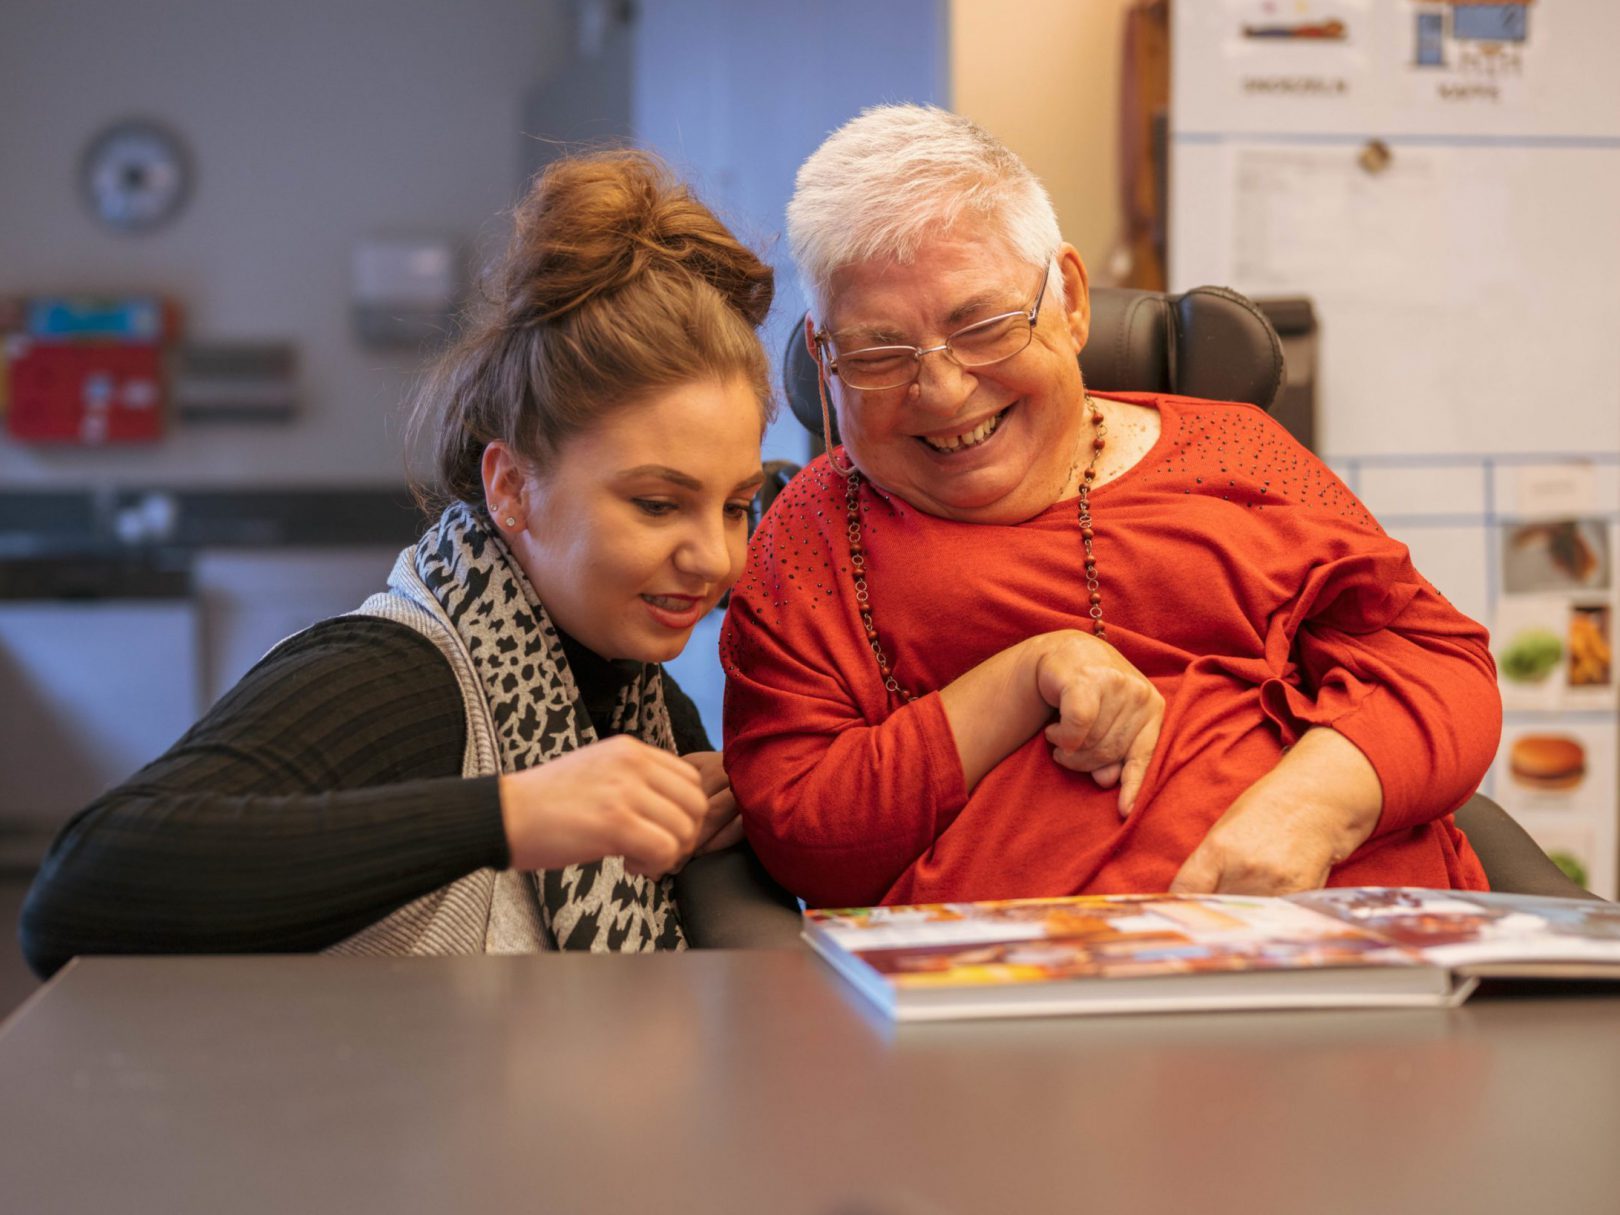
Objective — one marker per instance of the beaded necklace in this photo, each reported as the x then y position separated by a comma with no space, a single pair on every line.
857,554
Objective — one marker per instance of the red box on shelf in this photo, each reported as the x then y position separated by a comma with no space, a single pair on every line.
84,392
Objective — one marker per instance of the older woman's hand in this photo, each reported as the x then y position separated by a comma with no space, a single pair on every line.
1109,715
1289,828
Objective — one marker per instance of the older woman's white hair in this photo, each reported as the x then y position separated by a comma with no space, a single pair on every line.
897,174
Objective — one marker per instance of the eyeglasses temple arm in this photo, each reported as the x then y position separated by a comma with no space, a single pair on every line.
812,341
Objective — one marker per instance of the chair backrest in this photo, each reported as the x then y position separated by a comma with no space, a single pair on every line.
1207,342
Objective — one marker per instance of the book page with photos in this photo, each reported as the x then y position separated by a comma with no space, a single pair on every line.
1462,929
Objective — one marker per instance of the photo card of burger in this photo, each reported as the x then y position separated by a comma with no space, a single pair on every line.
1546,761
1556,776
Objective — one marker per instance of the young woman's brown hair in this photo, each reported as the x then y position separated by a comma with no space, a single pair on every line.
617,282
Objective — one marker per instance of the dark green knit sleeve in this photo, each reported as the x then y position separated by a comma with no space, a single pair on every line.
319,794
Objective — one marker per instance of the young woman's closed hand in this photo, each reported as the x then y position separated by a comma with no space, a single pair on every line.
618,797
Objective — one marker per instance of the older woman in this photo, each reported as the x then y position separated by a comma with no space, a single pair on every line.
482,759
1015,639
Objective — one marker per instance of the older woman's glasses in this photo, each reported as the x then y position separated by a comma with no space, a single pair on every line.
991,340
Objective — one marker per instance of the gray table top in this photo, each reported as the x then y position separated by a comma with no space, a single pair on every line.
754,1082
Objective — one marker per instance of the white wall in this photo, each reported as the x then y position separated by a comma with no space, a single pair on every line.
312,124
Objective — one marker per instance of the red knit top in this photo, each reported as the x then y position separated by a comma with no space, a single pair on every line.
1237,573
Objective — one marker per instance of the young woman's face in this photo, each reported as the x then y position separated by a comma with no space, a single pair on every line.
640,523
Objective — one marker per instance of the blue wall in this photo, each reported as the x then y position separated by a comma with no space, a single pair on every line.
736,94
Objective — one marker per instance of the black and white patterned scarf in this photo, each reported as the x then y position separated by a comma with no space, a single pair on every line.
517,662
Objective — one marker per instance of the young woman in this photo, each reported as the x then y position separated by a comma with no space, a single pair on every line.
484,757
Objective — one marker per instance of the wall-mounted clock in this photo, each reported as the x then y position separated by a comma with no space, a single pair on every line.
135,176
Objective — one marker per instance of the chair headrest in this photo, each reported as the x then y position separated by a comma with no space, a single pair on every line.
1206,342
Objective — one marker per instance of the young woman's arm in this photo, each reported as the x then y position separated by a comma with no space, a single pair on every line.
319,794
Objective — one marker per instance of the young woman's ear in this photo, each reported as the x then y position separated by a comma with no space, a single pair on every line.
505,486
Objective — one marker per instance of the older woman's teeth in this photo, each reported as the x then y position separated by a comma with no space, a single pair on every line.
971,438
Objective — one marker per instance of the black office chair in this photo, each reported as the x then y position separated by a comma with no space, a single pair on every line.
1207,342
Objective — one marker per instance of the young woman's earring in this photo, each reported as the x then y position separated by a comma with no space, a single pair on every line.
510,521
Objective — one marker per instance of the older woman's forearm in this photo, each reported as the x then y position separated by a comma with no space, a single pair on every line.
1101,715
1329,776
839,813
1292,826
997,706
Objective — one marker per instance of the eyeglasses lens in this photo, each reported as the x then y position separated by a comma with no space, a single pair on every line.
990,341
978,345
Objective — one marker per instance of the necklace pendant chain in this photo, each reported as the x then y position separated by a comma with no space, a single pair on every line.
857,555
863,595
1093,588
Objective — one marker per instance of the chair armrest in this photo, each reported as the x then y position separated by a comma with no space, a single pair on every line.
1514,863
728,901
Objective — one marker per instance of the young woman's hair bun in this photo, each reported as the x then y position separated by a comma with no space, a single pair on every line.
617,283
595,224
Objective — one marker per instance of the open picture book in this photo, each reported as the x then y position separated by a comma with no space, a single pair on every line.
1357,946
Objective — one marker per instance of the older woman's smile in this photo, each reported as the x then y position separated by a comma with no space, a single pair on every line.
974,436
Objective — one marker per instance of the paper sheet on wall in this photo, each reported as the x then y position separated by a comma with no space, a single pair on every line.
1457,287
1296,210
1394,67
